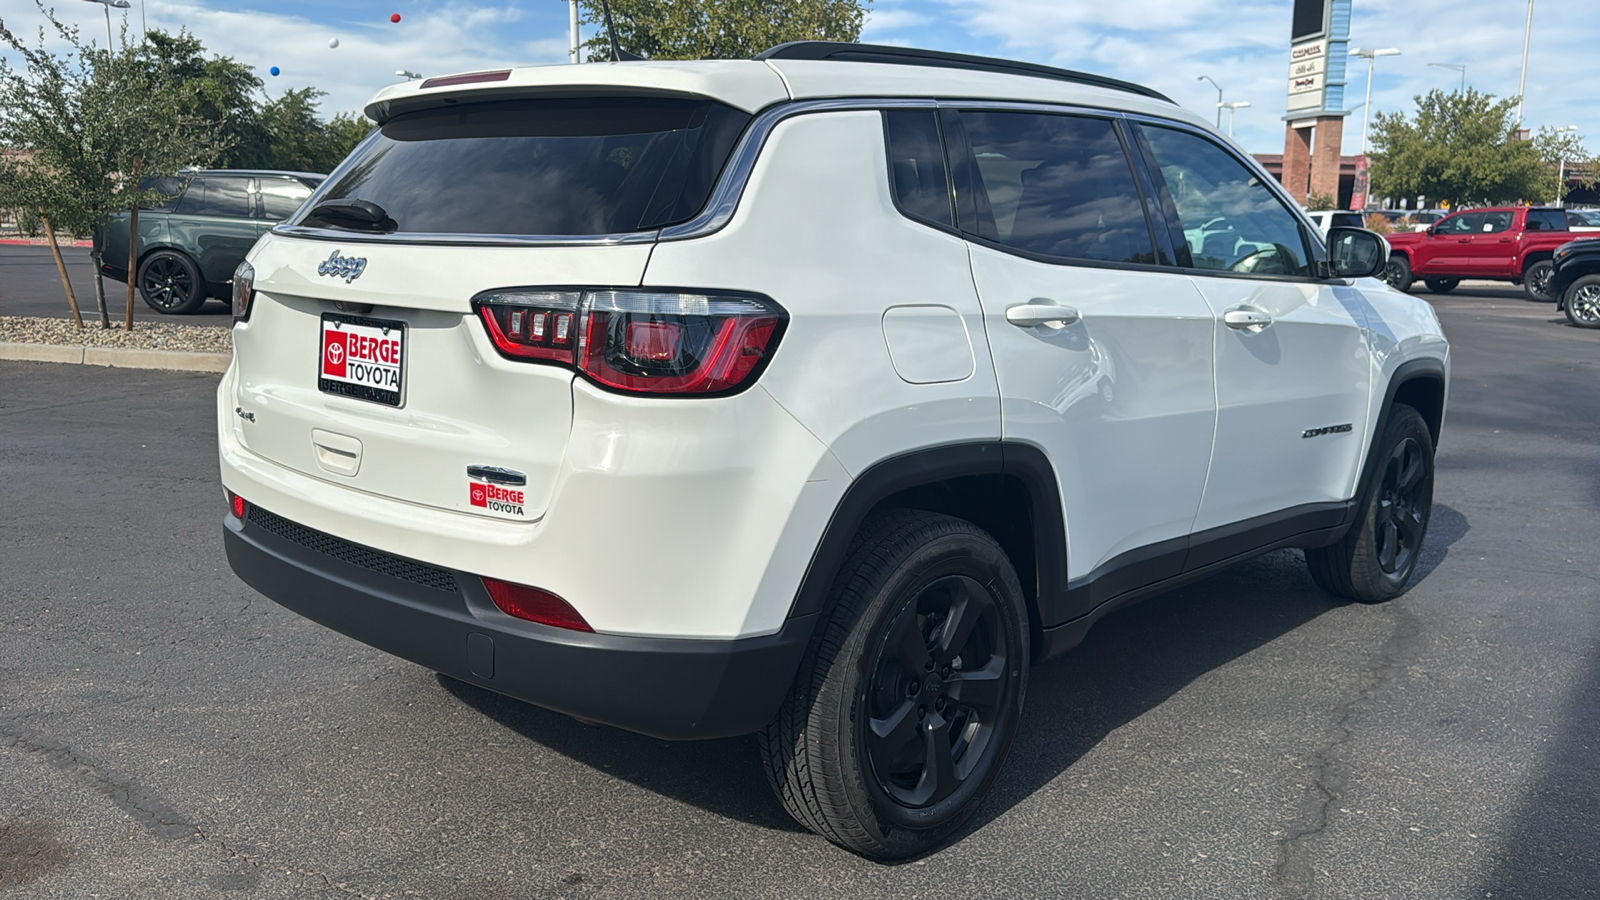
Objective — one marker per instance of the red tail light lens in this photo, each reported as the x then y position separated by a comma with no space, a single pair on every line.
235,505
645,342
534,605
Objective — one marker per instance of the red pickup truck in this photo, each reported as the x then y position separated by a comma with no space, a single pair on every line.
1506,243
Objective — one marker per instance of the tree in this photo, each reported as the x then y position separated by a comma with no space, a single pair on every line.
720,29
1565,157
1461,147
79,128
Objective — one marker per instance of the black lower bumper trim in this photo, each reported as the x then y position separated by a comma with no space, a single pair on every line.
665,688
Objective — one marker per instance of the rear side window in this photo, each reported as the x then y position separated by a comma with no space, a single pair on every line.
1056,185
171,188
216,196
1546,220
543,167
917,173
1347,220
280,197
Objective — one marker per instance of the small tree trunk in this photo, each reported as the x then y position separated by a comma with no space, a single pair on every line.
133,249
100,290
72,299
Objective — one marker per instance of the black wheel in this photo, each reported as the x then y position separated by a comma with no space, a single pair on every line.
1442,285
1398,273
1379,554
1582,302
170,283
1536,281
906,703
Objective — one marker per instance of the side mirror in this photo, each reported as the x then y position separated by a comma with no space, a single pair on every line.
1356,253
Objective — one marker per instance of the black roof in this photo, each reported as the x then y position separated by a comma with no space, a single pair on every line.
907,56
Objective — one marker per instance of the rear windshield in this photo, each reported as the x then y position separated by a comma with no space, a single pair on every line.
542,167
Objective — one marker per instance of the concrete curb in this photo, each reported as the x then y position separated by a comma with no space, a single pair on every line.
174,360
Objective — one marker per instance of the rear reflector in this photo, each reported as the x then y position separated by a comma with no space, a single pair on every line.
235,505
534,605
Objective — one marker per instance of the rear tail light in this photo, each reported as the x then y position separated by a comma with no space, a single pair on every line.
641,342
244,291
534,605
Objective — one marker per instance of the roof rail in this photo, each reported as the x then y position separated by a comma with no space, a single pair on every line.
908,56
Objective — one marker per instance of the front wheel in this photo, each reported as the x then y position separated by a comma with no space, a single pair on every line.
1442,285
1582,302
1376,558
1536,281
1398,273
904,707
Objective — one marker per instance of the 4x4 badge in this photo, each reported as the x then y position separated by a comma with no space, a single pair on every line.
347,267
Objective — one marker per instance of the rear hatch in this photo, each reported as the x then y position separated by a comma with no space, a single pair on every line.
362,361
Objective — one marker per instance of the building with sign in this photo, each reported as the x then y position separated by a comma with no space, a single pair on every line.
1319,43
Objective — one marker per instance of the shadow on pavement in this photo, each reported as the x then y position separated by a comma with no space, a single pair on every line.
1130,663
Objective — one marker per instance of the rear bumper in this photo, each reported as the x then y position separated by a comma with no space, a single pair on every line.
663,687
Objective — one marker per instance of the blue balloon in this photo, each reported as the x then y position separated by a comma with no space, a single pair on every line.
274,71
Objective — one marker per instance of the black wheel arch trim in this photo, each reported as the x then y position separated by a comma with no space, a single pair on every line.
1422,369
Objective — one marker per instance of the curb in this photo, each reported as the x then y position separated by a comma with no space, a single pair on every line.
122,358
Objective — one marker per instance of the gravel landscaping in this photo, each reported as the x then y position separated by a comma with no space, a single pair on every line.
145,335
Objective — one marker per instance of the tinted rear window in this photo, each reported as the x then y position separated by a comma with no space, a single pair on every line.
1347,220
543,167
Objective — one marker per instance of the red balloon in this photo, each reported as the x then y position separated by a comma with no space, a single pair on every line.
395,17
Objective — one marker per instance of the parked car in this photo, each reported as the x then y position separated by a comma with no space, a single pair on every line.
1575,282
1422,218
1506,243
1330,218
190,244
815,396
1583,220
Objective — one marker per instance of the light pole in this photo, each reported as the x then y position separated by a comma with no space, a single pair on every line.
572,22
1459,67
1561,170
107,5
1231,107
1219,97
1366,108
1522,83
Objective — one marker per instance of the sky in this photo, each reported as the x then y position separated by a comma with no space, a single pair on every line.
1166,44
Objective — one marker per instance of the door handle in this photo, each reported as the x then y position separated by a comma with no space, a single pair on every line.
1246,318
1040,311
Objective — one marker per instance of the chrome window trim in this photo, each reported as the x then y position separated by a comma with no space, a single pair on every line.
466,240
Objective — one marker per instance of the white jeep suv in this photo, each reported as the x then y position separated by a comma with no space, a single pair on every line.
815,396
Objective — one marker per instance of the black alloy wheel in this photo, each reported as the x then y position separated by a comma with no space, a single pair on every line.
1536,280
1397,273
906,702
1582,302
1405,496
1442,285
170,283
937,690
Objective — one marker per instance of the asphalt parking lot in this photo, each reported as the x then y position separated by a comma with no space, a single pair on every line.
30,285
166,732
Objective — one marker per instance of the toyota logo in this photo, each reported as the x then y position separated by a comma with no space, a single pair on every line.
335,354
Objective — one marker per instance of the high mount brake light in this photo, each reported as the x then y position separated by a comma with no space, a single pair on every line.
534,605
244,291
636,341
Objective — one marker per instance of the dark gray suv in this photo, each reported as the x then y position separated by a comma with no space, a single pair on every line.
190,245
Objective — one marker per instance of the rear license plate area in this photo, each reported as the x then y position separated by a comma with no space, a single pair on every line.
362,357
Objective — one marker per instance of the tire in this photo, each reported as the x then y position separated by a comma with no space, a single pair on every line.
1397,272
1582,302
1378,555
1536,281
170,283
926,644
1441,285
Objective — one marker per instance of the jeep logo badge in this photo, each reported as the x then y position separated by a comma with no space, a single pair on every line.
347,267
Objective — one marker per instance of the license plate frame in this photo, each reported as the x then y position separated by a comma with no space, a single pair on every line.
379,381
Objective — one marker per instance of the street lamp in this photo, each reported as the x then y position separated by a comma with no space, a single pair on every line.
572,22
1366,108
1219,97
1561,170
1522,83
407,75
108,5
1459,67
1230,107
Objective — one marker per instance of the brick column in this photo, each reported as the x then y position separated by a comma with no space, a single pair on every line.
1297,161
1325,157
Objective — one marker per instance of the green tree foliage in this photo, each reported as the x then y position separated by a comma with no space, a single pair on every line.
76,127
299,141
1565,157
719,29
1460,147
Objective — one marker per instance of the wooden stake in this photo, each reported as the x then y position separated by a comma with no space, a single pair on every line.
72,299
133,249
